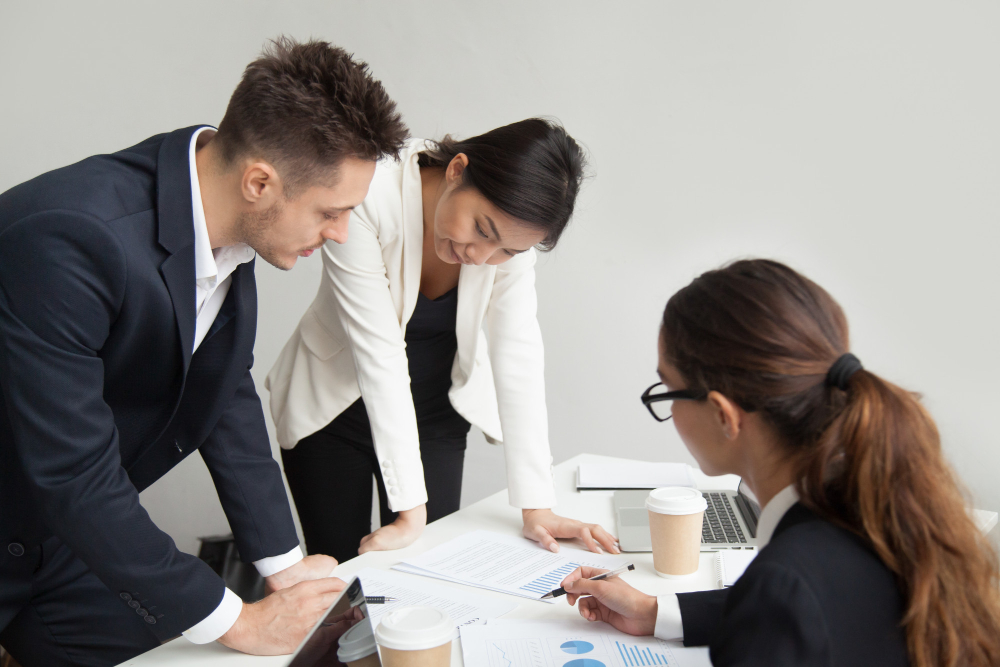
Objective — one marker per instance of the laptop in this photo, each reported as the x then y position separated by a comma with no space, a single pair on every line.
730,520
343,634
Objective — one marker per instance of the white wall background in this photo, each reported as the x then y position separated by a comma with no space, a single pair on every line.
857,141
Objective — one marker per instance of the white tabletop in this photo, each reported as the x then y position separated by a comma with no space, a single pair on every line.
492,513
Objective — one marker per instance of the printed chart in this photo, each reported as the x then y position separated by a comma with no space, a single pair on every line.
570,644
550,580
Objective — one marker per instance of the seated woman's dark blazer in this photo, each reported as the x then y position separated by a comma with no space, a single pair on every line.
816,595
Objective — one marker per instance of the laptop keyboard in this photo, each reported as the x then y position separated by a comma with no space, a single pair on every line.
720,525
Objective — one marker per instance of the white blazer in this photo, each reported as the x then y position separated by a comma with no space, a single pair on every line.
349,344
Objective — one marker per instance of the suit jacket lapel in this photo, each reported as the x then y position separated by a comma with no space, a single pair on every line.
175,232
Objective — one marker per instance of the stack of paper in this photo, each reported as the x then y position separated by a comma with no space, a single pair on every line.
503,563
465,608
632,475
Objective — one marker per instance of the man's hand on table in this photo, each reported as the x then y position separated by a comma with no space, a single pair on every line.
402,532
544,526
612,601
309,568
277,624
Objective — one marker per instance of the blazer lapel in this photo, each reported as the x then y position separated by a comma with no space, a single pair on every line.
475,284
175,232
413,232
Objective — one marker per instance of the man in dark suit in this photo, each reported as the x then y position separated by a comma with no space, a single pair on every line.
127,321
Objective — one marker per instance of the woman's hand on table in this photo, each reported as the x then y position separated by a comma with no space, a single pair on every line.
612,601
402,532
544,526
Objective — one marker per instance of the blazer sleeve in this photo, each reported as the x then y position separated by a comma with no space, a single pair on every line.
772,619
701,615
238,455
356,273
518,360
62,280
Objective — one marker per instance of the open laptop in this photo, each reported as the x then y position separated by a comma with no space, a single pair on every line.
343,634
730,520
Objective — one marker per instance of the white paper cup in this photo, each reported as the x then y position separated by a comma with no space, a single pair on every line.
416,637
675,519
357,647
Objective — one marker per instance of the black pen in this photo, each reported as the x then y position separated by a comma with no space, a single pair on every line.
604,575
380,599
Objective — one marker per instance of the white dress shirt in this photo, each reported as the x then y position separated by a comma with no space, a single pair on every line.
213,277
668,609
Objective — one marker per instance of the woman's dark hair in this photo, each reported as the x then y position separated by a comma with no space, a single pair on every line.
531,170
869,456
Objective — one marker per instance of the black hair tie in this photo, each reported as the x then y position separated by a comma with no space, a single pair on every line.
842,370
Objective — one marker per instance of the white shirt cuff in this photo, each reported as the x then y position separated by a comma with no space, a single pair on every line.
669,625
274,564
218,622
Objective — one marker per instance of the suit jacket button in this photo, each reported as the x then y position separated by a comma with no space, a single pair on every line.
142,612
125,596
134,604
150,620
15,549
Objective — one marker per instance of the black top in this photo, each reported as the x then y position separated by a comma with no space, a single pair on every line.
431,345
815,595
99,392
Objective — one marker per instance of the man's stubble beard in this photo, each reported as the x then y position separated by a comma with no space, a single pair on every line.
253,229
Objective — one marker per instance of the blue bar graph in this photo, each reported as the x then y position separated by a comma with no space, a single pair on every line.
637,656
549,581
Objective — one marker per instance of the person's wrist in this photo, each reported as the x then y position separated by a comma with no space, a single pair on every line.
649,610
416,516
233,637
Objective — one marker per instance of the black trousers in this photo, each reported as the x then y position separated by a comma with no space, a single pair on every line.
68,618
330,476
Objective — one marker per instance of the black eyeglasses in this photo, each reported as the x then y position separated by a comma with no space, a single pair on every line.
656,402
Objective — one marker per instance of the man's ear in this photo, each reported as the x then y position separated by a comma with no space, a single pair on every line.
453,174
728,415
260,185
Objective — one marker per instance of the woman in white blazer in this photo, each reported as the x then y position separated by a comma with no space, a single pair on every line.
390,364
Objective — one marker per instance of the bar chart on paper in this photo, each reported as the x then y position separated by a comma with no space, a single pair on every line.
550,581
570,644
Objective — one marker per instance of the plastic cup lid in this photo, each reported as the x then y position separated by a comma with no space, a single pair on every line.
356,643
415,628
676,500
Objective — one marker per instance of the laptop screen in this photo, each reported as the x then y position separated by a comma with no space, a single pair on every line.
344,634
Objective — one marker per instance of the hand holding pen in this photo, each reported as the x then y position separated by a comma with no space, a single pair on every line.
598,577
612,600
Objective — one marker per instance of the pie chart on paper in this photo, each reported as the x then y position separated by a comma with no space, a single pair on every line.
584,662
577,647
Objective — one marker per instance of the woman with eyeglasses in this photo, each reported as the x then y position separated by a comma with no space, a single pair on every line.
867,556
425,323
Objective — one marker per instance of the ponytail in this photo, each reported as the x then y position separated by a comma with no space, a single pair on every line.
878,471
869,454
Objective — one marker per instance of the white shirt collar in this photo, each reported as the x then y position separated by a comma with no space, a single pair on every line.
773,512
206,262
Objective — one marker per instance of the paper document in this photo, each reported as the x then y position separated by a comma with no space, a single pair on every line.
731,564
503,563
632,475
464,607
570,644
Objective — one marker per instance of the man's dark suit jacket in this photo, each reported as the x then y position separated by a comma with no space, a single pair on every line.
100,395
815,595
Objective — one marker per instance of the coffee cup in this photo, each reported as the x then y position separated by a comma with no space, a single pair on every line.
675,519
416,637
357,647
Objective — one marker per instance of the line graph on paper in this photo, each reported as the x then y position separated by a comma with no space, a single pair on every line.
516,653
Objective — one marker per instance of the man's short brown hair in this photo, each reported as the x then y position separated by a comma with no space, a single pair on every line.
304,108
